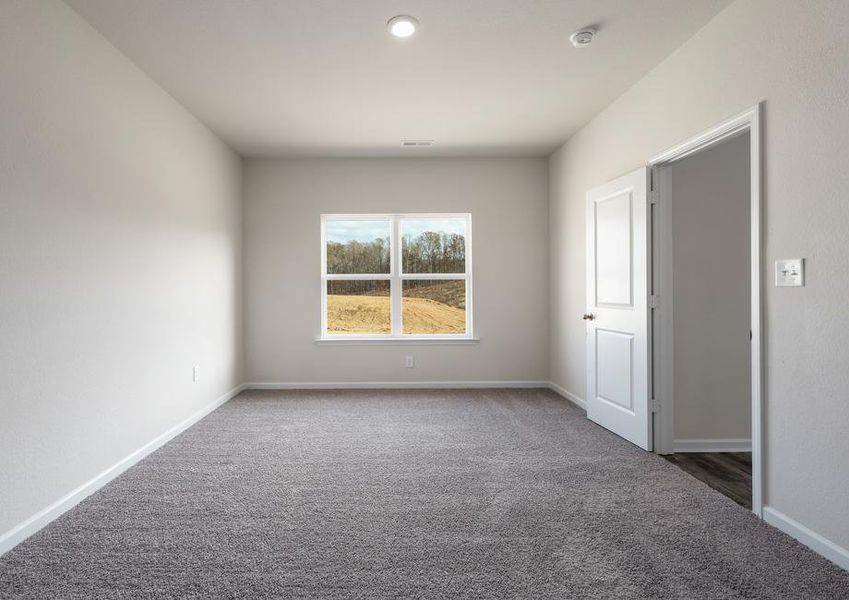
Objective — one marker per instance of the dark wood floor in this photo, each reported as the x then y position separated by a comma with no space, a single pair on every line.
729,473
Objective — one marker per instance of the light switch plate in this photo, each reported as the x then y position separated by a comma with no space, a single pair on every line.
790,272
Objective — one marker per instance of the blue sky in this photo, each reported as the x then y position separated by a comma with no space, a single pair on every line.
366,231
363,231
416,227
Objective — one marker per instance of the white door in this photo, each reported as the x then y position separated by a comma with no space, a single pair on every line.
617,315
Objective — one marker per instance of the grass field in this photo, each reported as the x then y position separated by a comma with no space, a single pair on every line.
371,314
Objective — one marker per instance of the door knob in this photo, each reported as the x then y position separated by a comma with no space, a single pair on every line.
589,317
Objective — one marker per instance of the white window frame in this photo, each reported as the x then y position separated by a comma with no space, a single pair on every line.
396,278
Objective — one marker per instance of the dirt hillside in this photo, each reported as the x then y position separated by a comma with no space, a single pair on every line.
370,314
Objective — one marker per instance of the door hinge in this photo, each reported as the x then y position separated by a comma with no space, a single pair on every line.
655,405
654,301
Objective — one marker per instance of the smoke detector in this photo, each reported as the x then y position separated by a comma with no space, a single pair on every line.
416,143
583,37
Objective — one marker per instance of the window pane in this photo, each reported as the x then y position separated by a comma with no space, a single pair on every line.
357,246
434,245
358,307
434,306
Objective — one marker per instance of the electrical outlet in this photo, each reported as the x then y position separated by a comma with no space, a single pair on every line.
410,362
195,373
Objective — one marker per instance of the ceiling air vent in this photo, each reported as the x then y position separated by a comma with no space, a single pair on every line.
416,143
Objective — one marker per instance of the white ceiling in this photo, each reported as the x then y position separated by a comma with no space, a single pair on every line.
324,78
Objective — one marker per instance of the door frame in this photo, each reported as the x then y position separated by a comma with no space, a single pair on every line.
660,198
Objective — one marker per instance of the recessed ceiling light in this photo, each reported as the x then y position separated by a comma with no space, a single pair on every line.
402,26
583,37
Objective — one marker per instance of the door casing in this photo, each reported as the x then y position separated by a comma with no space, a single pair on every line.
661,232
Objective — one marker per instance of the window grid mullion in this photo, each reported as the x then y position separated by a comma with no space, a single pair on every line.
357,277
395,285
435,276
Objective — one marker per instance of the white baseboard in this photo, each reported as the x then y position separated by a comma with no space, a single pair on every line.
576,400
713,445
819,544
11,538
393,385
23,530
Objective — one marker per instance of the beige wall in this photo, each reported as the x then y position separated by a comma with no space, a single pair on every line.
710,201
119,258
794,56
508,201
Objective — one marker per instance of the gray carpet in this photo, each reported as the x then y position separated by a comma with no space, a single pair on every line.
409,494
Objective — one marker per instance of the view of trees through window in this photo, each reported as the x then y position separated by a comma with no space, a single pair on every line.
434,252
435,246
358,246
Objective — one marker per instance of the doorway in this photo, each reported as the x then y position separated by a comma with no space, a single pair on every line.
706,328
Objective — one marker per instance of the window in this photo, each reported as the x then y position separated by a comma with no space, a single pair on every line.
396,276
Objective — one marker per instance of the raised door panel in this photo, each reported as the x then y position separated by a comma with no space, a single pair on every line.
613,250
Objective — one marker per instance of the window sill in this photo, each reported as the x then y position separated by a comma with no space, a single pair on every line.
430,341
